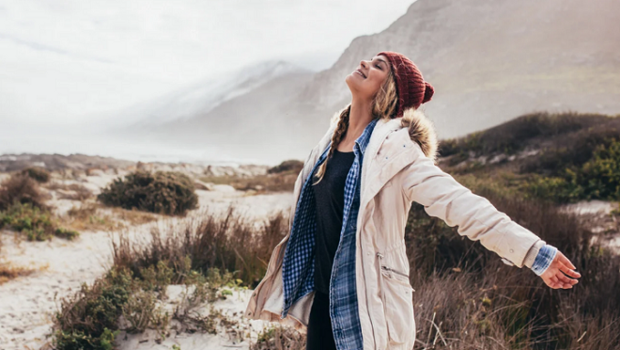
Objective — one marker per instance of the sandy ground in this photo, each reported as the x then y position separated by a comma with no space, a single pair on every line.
27,303
597,215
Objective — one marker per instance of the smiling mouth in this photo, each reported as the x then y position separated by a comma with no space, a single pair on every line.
360,73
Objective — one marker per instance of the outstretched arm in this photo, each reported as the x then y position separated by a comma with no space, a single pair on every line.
443,197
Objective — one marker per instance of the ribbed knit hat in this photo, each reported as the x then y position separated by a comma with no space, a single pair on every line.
411,88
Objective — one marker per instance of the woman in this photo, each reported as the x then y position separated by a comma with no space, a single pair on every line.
342,271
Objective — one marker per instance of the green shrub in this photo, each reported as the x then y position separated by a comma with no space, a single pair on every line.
600,176
171,193
66,233
37,173
293,165
513,135
36,224
88,320
597,178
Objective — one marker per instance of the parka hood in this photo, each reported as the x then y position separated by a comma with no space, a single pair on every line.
422,131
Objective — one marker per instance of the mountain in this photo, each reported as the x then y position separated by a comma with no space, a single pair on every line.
204,95
489,61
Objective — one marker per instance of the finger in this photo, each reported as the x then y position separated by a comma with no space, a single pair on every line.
567,270
564,279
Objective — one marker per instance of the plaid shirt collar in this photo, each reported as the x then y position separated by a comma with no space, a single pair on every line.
364,138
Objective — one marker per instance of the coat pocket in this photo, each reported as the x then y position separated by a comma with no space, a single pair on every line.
396,294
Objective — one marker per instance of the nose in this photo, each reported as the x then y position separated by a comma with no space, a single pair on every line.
363,63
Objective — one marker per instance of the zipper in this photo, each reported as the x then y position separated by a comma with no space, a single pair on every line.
395,271
387,268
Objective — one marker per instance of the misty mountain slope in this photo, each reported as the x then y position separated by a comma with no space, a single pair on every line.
491,61
203,96
260,123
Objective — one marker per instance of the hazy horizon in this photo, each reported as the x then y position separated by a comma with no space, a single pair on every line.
69,64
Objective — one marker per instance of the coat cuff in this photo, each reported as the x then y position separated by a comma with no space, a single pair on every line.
532,253
543,259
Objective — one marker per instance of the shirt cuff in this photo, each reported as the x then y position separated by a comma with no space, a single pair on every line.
545,256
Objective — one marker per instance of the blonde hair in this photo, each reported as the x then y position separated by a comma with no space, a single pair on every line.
384,105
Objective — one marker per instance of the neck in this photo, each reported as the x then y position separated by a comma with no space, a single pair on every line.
359,117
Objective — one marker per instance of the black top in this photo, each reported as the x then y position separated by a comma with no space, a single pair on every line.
329,201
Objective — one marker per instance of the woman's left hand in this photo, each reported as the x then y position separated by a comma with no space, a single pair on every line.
554,276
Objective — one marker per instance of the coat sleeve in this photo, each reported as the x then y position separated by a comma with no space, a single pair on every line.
443,197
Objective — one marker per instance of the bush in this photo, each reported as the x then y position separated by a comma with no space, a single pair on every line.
20,188
293,165
596,178
36,224
38,174
513,135
600,176
88,320
171,193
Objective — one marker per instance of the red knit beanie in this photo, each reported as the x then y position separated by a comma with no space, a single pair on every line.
411,88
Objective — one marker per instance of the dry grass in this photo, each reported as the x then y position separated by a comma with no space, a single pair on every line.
92,216
134,216
259,184
231,243
466,298
74,191
8,271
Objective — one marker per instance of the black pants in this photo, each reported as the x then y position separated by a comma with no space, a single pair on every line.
320,335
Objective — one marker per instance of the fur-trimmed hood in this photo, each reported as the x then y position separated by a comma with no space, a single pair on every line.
422,131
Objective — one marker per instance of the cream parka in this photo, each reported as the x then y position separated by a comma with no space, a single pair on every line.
398,168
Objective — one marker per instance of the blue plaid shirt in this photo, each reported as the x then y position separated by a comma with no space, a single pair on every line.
299,255
298,263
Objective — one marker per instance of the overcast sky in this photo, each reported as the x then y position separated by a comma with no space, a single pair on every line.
64,61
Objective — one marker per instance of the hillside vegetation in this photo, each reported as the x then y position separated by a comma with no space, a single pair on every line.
561,157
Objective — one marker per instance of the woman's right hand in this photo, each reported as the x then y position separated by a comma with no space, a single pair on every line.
554,276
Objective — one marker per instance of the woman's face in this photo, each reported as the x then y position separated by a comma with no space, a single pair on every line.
366,80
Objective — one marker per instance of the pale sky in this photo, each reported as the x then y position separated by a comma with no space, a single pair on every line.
64,61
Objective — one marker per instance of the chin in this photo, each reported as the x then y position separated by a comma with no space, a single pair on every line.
350,81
